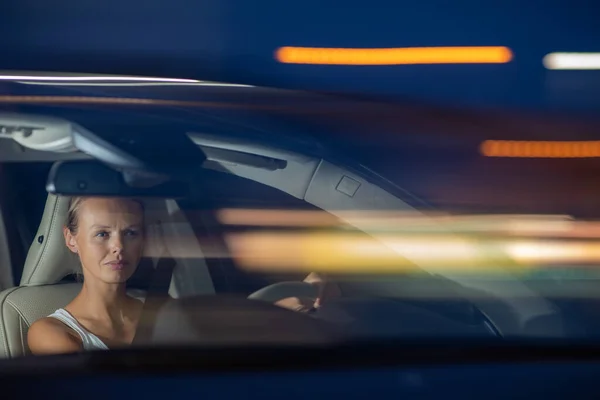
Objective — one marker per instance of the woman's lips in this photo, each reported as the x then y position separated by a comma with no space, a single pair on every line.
117,265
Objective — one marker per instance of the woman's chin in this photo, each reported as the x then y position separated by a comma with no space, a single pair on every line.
116,276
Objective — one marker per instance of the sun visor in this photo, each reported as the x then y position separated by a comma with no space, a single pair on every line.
38,132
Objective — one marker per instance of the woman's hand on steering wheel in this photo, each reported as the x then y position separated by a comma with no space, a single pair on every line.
326,290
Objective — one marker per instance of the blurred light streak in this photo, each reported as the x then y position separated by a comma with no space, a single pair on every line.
273,217
540,149
355,254
572,61
319,252
85,78
438,248
352,253
400,222
358,253
394,56
126,101
128,84
541,252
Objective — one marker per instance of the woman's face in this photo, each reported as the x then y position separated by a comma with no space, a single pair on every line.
109,238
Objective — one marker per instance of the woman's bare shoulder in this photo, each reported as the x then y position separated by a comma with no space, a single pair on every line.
50,336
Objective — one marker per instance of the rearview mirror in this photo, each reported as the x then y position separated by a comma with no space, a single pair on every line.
92,178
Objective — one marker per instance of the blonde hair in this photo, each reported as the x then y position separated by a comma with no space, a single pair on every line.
72,222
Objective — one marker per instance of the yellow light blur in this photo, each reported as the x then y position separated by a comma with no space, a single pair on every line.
355,254
319,252
352,253
540,149
395,56
472,244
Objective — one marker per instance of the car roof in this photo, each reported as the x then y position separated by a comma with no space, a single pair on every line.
430,151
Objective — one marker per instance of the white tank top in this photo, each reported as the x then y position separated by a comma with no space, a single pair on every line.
89,340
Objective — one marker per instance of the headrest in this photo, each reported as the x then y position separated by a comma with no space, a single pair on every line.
49,260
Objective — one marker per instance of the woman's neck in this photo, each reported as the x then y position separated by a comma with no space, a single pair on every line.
103,301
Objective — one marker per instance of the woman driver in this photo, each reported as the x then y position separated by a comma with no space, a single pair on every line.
108,236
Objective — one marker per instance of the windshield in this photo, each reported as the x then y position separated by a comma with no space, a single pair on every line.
306,219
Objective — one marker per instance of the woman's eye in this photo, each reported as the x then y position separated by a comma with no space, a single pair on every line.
131,233
102,234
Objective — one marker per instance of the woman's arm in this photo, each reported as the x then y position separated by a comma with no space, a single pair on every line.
50,336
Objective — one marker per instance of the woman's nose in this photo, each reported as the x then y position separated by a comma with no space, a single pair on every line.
117,245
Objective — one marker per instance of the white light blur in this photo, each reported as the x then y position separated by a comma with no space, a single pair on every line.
554,252
85,78
422,249
33,78
120,84
572,61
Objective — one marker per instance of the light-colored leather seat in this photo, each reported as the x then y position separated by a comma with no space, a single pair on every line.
49,261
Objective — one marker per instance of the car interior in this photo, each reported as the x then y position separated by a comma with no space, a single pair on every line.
503,308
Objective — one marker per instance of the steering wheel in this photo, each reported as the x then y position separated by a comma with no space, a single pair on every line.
283,290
